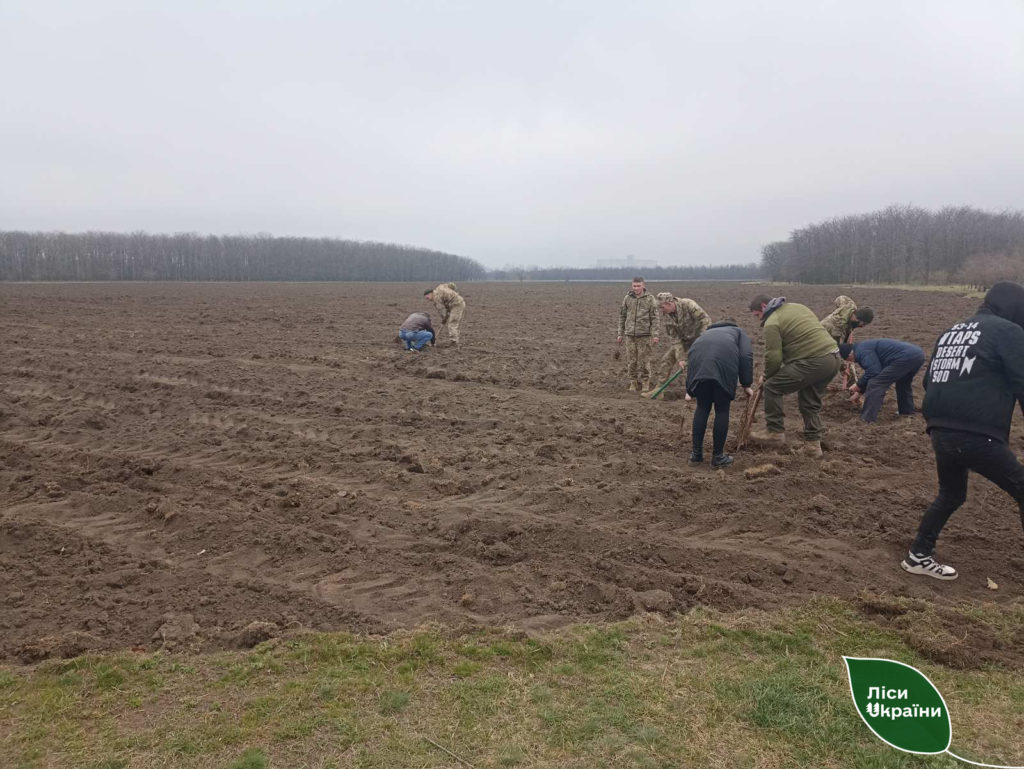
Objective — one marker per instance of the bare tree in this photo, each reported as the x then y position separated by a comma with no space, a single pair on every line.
901,244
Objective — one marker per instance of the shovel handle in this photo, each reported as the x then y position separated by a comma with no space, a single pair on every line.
669,381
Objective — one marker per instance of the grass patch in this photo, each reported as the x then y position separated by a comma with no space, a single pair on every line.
392,702
253,758
749,689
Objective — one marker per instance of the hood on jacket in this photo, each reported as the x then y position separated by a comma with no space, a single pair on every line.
1006,299
722,323
772,306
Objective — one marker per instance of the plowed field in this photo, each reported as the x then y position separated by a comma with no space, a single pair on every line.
268,452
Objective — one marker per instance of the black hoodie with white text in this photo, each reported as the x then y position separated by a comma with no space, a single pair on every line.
976,373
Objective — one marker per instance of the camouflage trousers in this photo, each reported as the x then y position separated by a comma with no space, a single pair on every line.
638,358
675,353
454,319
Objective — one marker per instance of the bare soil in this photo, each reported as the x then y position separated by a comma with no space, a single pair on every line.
178,461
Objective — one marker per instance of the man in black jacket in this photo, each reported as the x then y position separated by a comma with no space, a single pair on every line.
975,377
717,358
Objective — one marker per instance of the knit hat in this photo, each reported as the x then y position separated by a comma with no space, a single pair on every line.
1006,299
845,350
665,296
865,315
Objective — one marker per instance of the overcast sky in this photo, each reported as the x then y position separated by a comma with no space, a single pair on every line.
549,133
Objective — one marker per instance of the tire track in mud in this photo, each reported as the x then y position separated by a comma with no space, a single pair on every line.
49,393
145,533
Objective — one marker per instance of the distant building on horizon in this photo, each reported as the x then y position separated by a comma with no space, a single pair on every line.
629,261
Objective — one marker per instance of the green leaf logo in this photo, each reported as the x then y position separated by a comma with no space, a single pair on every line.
900,705
903,708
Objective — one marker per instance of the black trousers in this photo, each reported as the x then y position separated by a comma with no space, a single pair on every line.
956,453
709,393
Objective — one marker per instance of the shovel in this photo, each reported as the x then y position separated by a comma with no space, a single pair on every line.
671,379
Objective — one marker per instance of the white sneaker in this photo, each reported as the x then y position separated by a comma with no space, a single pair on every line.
928,566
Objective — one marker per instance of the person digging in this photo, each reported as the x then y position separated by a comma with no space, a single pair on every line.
840,324
450,305
799,357
885,363
683,321
718,358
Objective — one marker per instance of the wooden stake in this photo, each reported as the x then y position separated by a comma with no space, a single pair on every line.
748,415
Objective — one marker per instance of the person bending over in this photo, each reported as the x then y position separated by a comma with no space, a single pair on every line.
718,358
884,362
416,331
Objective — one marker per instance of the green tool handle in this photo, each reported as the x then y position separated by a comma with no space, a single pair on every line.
670,380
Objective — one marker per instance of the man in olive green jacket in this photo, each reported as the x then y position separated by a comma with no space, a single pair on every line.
800,357
640,325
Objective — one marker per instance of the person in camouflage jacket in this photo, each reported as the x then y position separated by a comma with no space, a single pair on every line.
840,324
685,320
451,306
640,326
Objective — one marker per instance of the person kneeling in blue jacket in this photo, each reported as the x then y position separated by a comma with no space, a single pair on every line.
417,331
885,362
717,358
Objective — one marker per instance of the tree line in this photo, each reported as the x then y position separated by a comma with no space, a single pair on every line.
707,272
903,244
44,256
103,256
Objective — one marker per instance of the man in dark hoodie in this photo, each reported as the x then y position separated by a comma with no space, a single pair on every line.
975,376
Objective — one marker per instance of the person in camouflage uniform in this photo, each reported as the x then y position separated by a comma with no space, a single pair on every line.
685,320
640,326
451,306
840,324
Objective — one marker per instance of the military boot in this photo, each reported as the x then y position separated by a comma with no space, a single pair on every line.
764,438
646,387
812,449
633,387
